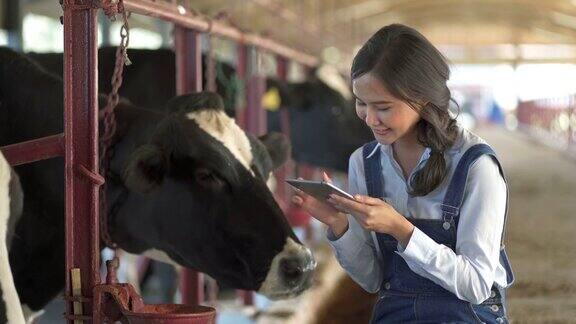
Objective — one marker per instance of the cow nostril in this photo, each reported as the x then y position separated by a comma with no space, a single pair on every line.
291,269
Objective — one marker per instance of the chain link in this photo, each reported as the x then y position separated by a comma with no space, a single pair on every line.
109,118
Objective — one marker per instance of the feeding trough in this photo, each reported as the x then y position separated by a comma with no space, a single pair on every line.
120,302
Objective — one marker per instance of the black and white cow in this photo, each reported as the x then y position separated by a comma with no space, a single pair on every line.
10,211
188,186
324,127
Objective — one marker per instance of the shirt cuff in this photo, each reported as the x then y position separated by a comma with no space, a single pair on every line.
420,249
347,240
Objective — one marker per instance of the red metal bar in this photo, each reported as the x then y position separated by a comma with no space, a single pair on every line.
256,118
252,117
187,46
189,79
241,71
282,190
246,296
186,18
34,150
81,142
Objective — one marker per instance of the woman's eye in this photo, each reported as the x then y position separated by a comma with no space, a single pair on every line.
382,108
360,103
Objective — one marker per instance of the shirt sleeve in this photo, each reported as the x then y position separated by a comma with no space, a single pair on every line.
355,250
468,272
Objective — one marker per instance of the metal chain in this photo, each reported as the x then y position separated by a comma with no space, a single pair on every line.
109,119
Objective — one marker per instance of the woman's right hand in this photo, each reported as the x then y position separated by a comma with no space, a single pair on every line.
322,211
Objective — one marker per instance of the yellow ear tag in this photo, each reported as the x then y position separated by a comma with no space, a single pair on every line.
271,99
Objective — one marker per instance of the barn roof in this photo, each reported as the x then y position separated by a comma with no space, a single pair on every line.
489,31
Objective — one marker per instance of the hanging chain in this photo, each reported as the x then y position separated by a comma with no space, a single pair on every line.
108,117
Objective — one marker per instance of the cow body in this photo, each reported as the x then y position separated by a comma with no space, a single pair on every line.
174,186
10,210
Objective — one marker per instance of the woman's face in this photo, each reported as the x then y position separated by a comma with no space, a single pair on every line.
388,117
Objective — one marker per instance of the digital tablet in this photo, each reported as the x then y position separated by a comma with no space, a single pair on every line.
318,189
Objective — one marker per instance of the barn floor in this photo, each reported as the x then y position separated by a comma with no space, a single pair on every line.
541,228
541,240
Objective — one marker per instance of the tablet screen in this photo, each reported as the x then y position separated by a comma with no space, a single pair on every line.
318,189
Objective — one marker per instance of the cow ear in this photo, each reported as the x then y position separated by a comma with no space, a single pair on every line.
146,169
278,148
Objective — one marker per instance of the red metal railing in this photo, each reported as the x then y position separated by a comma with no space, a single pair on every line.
550,120
189,79
34,150
81,148
79,143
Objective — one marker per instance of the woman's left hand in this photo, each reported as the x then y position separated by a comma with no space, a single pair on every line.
375,215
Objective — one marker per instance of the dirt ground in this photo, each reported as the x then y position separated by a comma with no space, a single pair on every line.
541,236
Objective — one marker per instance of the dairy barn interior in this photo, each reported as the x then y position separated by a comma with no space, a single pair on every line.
280,67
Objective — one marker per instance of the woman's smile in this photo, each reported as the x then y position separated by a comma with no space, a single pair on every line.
381,132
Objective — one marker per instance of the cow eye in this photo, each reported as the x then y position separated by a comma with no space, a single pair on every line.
209,179
204,174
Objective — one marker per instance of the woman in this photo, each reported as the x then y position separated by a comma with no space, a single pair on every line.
427,223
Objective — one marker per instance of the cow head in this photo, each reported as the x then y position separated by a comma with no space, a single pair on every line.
324,127
223,220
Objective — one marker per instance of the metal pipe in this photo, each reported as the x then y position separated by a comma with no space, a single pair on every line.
241,72
185,18
34,150
255,118
187,46
81,147
282,190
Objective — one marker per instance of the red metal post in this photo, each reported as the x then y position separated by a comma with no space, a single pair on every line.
255,118
187,45
246,296
282,190
241,71
252,118
81,142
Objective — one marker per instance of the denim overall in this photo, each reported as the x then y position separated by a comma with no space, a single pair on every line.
408,297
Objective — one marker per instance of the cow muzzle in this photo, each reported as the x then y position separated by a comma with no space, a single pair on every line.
290,273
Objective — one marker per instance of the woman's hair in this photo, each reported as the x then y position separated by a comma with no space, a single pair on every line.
414,71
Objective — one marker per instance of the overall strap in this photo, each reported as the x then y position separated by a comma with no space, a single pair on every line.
455,192
373,169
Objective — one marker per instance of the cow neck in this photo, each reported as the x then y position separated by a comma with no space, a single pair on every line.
126,117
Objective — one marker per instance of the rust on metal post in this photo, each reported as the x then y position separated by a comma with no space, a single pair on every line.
35,150
187,47
81,145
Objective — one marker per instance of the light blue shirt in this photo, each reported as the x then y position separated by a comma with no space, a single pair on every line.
474,267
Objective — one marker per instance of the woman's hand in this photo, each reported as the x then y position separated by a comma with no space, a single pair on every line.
375,215
322,211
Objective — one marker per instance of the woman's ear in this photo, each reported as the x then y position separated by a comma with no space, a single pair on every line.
146,168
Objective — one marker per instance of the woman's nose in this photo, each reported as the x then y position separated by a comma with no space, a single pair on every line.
371,117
